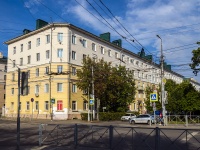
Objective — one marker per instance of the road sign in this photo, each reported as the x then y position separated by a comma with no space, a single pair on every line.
153,97
91,102
53,100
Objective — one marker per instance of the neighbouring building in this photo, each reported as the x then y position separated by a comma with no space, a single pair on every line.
3,69
52,53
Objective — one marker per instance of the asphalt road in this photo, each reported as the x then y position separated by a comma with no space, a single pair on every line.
143,135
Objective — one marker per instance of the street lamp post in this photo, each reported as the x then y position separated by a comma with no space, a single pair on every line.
162,82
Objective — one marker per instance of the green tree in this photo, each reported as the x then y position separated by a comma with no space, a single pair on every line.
195,60
114,87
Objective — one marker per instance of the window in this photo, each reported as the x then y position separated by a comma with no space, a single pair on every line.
84,42
5,68
85,105
59,87
12,91
47,70
59,105
109,53
37,88
21,61
46,88
13,63
84,57
36,105
38,57
29,59
47,54
116,55
47,38
73,71
28,74
132,61
14,50
4,77
22,48
59,69
74,88
73,55
37,72
102,50
38,42
12,106
94,47
29,45
73,39
60,37
73,105
123,57
27,105
60,53
13,76
128,60
46,105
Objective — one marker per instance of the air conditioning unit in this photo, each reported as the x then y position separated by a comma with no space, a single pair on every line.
36,94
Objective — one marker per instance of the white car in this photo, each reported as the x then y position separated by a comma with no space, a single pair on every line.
146,118
127,116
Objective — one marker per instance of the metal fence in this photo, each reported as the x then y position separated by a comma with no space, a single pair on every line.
118,138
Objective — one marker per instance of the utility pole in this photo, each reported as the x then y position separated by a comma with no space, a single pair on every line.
162,81
18,112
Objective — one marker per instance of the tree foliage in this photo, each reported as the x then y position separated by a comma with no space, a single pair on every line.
195,61
114,87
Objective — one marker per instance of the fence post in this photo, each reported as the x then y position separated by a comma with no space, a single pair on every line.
75,135
157,138
186,121
40,134
110,136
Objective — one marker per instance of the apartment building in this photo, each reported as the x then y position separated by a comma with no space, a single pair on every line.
52,53
3,69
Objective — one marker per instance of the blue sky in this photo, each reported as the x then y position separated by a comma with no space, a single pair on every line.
177,22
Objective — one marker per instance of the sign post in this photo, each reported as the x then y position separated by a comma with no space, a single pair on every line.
153,99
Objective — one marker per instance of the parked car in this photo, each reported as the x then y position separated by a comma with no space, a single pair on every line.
146,118
128,116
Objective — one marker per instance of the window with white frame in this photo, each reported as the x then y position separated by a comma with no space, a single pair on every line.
73,39
85,105
59,87
84,42
60,53
46,88
29,59
47,70
14,50
21,61
38,57
37,89
60,37
74,88
116,55
59,69
29,44
46,105
102,50
73,55
12,91
59,105
13,76
94,47
21,47
38,42
14,63
128,60
27,105
36,105
48,38
74,106
47,54
37,72
73,71
109,53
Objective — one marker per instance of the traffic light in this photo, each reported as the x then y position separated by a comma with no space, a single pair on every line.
24,83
